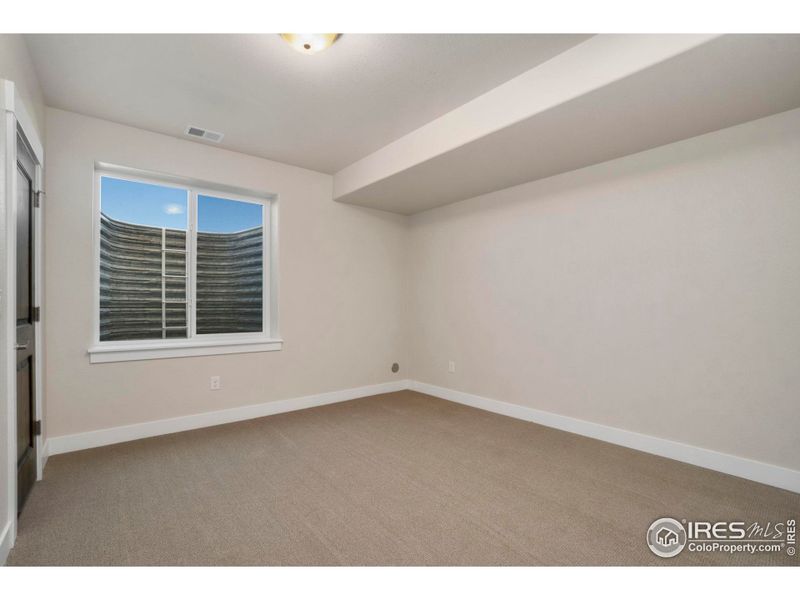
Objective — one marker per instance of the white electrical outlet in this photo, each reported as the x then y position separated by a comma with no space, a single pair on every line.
216,382
451,366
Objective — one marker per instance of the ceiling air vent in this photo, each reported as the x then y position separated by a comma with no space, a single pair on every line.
204,134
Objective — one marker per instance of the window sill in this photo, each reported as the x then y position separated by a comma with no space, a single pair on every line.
126,351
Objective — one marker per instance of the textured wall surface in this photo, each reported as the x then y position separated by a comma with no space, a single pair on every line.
341,287
17,66
657,293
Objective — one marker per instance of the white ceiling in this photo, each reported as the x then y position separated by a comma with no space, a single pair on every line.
321,112
722,82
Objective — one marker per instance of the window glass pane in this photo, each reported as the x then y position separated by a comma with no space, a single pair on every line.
142,260
230,270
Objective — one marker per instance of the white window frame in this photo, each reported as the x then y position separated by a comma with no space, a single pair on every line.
193,345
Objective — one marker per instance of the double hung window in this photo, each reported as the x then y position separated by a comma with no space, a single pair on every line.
182,268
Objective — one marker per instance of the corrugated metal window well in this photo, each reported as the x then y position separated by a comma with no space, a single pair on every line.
177,263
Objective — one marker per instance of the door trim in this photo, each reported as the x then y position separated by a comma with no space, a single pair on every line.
15,116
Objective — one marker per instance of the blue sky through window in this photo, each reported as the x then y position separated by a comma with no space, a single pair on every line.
143,203
161,206
217,215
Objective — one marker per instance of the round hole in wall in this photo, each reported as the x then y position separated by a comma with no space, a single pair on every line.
395,367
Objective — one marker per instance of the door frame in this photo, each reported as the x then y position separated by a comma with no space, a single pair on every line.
16,117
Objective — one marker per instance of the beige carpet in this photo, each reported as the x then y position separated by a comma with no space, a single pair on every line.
396,479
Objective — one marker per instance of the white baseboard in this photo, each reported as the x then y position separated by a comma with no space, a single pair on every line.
126,433
725,463
44,455
6,543
780,477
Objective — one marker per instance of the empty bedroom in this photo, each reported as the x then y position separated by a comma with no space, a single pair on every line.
436,299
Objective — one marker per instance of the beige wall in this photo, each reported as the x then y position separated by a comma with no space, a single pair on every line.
17,66
341,296
658,293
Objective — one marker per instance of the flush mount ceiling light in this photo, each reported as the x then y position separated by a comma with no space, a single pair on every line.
310,43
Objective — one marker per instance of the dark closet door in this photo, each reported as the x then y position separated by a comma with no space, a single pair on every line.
26,414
